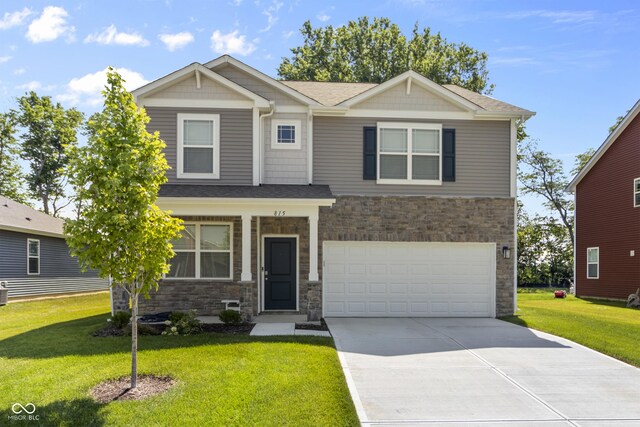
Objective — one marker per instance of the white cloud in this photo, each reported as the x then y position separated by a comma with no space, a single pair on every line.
87,89
4,59
557,17
50,25
236,2
19,71
231,43
33,85
323,17
287,34
176,41
271,13
111,35
13,19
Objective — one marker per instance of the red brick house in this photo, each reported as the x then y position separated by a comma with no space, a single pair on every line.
607,231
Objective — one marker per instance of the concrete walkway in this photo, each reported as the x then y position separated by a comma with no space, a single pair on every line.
480,372
270,329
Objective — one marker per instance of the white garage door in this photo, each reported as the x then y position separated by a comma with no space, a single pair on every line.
400,279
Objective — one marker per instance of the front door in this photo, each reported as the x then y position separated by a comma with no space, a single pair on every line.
280,273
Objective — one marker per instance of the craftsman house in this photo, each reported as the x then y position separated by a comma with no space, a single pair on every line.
335,199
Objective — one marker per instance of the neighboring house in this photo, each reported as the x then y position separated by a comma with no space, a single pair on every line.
607,215
335,199
34,257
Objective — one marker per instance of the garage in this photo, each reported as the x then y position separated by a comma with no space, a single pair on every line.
408,279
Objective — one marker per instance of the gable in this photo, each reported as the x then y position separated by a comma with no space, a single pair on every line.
396,98
187,88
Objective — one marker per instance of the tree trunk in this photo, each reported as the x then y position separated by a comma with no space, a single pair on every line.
134,339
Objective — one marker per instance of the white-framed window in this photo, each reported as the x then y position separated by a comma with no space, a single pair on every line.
33,257
285,134
409,153
198,146
204,251
636,192
593,263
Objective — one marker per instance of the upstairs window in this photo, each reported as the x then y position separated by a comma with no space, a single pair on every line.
593,263
33,256
636,192
198,146
409,153
285,134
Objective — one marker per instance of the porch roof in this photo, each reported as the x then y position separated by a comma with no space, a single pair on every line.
263,191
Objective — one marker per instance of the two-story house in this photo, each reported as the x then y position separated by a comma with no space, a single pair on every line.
335,199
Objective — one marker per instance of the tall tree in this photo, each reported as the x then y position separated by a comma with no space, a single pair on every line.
10,172
48,130
581,160
376,50
119,230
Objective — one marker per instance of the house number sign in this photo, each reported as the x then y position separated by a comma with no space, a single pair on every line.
279,213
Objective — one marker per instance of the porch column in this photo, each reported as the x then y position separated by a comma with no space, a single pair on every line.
313,247
246,248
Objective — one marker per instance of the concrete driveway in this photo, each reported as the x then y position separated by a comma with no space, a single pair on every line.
480,372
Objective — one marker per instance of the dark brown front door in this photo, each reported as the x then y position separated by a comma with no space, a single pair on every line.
280,273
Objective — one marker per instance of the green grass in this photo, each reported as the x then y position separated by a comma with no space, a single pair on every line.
605,326
48,357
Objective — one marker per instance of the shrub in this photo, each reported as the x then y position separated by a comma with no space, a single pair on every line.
121,319
182,323
230,317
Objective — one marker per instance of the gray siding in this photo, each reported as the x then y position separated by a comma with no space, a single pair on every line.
285,166
396,98
22,287
55,260
188,89
236,147
482,159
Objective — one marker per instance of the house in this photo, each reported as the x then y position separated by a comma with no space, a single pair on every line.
335,199
607,215
34,257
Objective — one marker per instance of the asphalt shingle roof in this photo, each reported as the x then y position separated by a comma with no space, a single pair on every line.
15,216
264,191
486,102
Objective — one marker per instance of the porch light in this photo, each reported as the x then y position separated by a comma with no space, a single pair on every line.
506,252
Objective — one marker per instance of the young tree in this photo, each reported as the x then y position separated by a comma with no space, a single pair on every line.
48,129
119,230
10,172
376,51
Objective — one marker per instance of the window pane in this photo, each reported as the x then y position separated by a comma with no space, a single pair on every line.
425,167
187,239
33,248
393,140
286,134
593,270
183,265
426,141
215,264
198,132
198,160
34,265
592,255
393,167
637,199
637,181
214,237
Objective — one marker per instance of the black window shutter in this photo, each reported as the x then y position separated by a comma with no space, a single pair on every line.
448,155
369,159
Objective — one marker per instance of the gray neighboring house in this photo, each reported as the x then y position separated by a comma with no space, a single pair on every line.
34,257
335,199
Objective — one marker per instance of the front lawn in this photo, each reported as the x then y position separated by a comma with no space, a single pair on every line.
605,326
48,358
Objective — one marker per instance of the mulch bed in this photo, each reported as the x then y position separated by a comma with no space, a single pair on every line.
109,331
118,389
311,327
221,328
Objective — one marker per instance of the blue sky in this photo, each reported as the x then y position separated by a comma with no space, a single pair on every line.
573,62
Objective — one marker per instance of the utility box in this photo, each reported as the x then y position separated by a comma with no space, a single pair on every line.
4,293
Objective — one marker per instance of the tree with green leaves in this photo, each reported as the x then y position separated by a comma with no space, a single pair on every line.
376,50
11,175
119,230
48,130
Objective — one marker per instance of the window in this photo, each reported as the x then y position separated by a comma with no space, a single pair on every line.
593,263
198,146
285,134
33,256
636,192
202,252
409,153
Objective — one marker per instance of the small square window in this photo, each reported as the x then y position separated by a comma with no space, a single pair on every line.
285,134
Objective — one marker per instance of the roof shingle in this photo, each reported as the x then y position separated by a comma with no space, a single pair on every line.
16,216
264,191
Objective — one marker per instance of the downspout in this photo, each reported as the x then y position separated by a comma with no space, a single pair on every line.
272,109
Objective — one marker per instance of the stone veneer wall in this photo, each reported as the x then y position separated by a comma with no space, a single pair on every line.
428,219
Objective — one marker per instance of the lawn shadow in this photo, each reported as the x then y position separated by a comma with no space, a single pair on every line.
74,338
609,303
76,412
